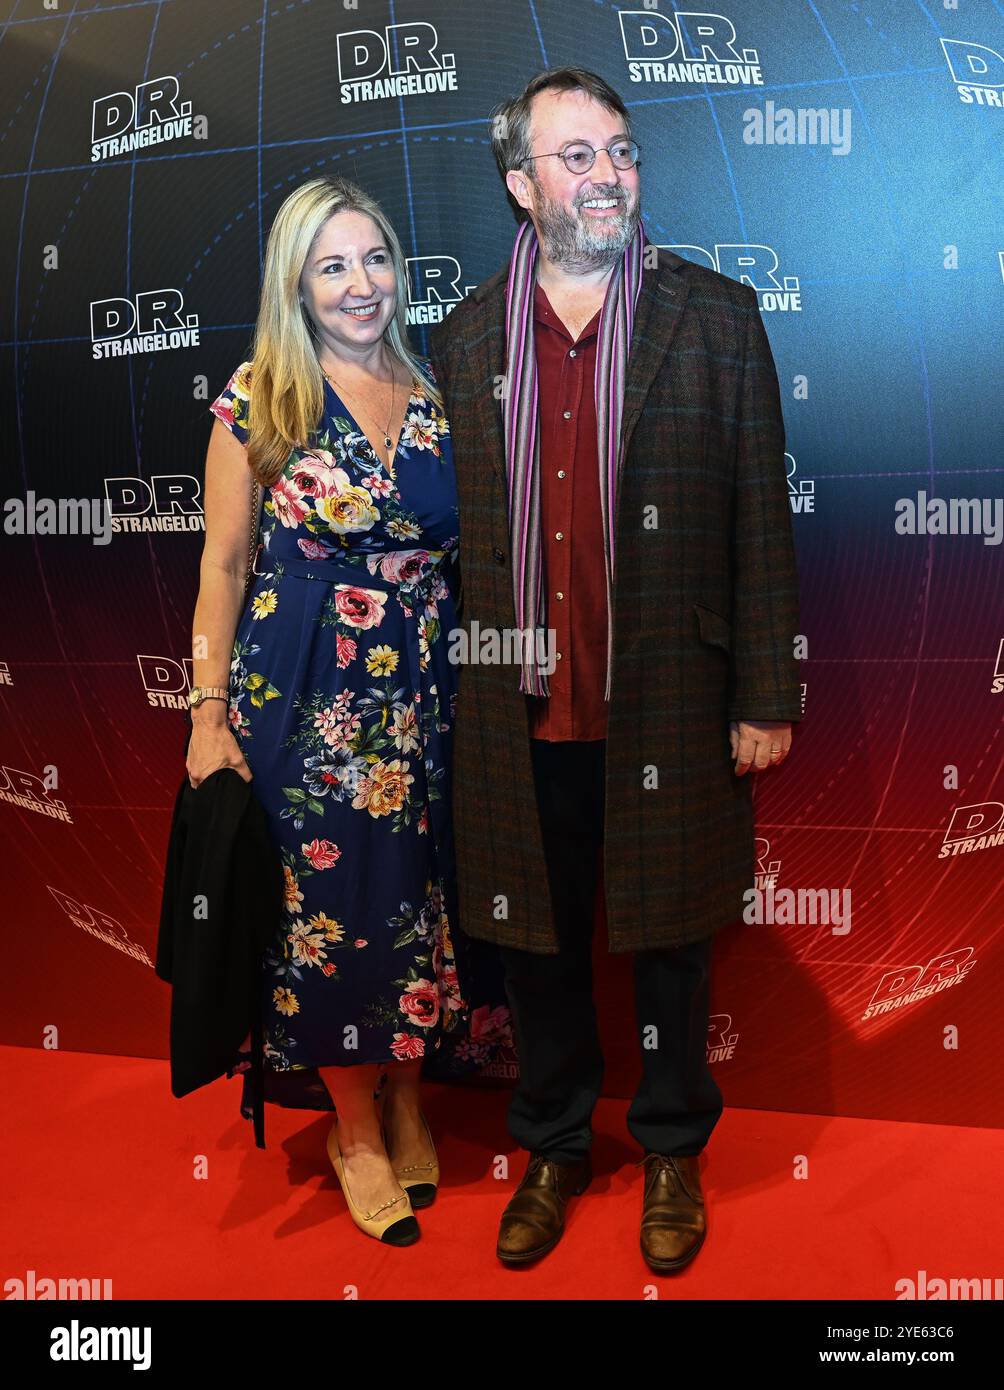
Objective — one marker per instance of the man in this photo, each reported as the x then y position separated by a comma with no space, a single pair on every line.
619,447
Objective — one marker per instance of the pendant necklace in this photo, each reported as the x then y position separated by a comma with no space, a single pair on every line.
388,442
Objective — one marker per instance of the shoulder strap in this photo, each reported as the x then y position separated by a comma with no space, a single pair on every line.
256,501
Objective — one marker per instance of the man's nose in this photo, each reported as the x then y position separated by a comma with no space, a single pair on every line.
614,171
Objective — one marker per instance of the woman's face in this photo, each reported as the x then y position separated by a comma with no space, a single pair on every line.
348,283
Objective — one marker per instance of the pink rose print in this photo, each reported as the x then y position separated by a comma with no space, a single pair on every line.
290,507
224,410
315,475
403,566
491,1025
315,550
361,608
420,1003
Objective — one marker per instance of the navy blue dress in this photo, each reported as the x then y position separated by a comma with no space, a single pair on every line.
342,698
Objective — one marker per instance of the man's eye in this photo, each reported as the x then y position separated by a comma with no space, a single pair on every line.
576,157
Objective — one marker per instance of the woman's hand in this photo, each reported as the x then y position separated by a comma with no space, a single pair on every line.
211,747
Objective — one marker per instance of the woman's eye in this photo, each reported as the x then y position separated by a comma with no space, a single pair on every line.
333,266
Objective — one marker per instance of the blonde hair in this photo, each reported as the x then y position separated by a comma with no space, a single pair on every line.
287,384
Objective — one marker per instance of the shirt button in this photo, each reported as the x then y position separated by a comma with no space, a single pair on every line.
559,594
561,472
558,655
572,352
559,535
567,414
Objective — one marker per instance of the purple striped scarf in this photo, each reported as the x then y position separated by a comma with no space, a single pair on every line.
520,423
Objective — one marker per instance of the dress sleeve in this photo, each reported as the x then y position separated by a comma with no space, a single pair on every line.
231,405
431,372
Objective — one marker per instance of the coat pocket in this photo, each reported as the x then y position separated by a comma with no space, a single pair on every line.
713,628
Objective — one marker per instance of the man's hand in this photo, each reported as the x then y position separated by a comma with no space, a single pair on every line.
758,745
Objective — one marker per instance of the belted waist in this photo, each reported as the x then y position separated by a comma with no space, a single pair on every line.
335,571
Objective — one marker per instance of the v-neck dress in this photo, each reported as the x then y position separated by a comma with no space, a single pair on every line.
342,698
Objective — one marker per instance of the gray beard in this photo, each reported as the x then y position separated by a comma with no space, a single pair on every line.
568,242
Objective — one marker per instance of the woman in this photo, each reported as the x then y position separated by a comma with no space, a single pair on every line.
339,697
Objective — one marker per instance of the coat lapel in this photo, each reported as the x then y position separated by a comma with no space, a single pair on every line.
661,302
488,360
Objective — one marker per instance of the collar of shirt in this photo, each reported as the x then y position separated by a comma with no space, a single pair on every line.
543,313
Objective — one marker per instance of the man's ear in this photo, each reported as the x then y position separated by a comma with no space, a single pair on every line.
518,185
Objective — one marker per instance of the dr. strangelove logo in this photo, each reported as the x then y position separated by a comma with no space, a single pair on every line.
977,71
401,60
686,46
152,114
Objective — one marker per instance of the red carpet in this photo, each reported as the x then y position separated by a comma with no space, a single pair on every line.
98,1183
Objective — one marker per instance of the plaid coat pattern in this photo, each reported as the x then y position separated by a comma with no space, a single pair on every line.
705,614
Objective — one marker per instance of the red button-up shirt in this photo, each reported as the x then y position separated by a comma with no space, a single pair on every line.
571,526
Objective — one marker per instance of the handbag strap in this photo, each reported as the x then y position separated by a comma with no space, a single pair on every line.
255,532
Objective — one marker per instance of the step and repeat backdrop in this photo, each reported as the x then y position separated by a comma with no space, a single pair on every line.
844,159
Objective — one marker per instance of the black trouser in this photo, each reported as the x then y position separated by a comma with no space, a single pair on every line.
677,1103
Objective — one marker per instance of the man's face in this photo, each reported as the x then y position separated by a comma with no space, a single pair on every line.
583,221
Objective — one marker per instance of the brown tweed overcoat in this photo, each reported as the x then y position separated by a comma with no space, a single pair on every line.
705,616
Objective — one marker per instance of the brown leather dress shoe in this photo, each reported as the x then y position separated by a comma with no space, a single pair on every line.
534,1219
672,1219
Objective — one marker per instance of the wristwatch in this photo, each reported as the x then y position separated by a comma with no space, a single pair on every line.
198,693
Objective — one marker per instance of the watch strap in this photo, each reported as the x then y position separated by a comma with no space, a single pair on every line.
207,692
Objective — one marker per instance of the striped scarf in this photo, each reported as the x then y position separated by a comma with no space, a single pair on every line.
521,426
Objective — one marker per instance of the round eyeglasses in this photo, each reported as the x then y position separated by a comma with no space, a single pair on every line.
579,157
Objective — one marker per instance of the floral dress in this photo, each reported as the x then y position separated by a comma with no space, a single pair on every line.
342,698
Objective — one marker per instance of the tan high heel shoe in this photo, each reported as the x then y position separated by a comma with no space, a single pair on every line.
421,1189
393,1222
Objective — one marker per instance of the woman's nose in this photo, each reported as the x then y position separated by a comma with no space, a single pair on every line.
361,286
